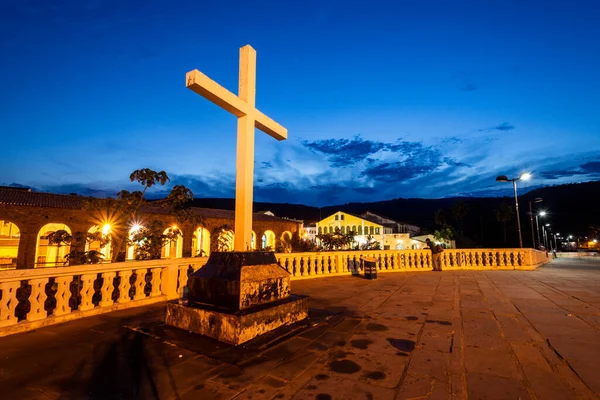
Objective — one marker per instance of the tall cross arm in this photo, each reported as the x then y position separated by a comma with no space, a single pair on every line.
211,90
270,127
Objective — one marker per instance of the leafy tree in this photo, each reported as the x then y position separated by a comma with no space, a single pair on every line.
337,240
300,245
445,233
126,208
148,241
221,239
63,238
284,244
504,213
371,244
459,211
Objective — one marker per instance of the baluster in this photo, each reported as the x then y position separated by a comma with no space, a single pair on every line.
107,289
140,282
182,280
8,303
485,261
312,265
62,296
87,291
124,287
37,299
155,282
500,258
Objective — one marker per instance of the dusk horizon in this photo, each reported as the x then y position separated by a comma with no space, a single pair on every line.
394,101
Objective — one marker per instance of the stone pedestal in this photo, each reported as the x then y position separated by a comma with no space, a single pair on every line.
237,296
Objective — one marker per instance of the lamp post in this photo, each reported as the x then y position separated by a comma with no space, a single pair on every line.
537,224
536,200
525,176
545,230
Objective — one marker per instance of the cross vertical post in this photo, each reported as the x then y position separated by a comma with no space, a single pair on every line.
244,175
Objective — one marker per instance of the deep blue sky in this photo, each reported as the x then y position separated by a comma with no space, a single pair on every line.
381,99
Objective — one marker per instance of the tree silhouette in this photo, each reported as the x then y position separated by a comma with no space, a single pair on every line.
504,213
459,212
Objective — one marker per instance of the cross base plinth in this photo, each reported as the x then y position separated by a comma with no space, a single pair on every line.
236,297
240,327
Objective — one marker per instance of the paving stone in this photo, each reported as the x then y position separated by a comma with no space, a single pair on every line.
499,363
339,388
484,386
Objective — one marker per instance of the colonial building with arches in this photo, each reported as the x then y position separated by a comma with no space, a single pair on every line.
27,218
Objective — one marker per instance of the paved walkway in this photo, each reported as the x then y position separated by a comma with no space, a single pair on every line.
468,334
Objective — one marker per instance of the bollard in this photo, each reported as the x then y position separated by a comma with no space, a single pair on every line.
370,267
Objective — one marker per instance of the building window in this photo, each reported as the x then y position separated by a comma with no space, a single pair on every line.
320,231
331,229
377,231
342,217
372,230
336,217
354,229
360,230
343,230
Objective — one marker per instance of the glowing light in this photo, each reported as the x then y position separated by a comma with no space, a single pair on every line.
174,227
595,240
135,228
106,229
542,213
525,176
570,236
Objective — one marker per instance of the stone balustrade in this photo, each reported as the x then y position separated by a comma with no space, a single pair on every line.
32,298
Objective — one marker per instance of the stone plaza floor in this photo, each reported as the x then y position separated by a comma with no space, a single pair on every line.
417,335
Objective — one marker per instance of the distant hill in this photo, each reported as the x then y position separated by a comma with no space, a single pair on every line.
572,209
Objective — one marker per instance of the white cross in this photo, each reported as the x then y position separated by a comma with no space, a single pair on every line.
243,107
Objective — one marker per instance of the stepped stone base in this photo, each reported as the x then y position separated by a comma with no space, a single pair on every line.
240,326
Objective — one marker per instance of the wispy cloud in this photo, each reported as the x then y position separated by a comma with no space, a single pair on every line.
345,152
503,127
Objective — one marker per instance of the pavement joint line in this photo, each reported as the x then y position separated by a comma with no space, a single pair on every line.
511,350
417,340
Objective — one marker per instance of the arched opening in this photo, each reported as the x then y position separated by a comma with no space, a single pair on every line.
131,249
399,246
51,254
101,241
253,241
223,239
268,241
201,242
9,244
173,246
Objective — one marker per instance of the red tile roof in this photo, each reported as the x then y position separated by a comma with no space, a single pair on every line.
24,197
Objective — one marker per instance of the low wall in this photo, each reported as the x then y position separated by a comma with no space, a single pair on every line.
33,298
577,254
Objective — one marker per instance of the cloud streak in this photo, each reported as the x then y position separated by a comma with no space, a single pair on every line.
503,127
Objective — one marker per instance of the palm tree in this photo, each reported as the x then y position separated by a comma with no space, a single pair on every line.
440,217
504,213
459,212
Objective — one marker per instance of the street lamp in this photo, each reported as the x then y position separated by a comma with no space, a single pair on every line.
536,200
545,229
537,224
525,176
